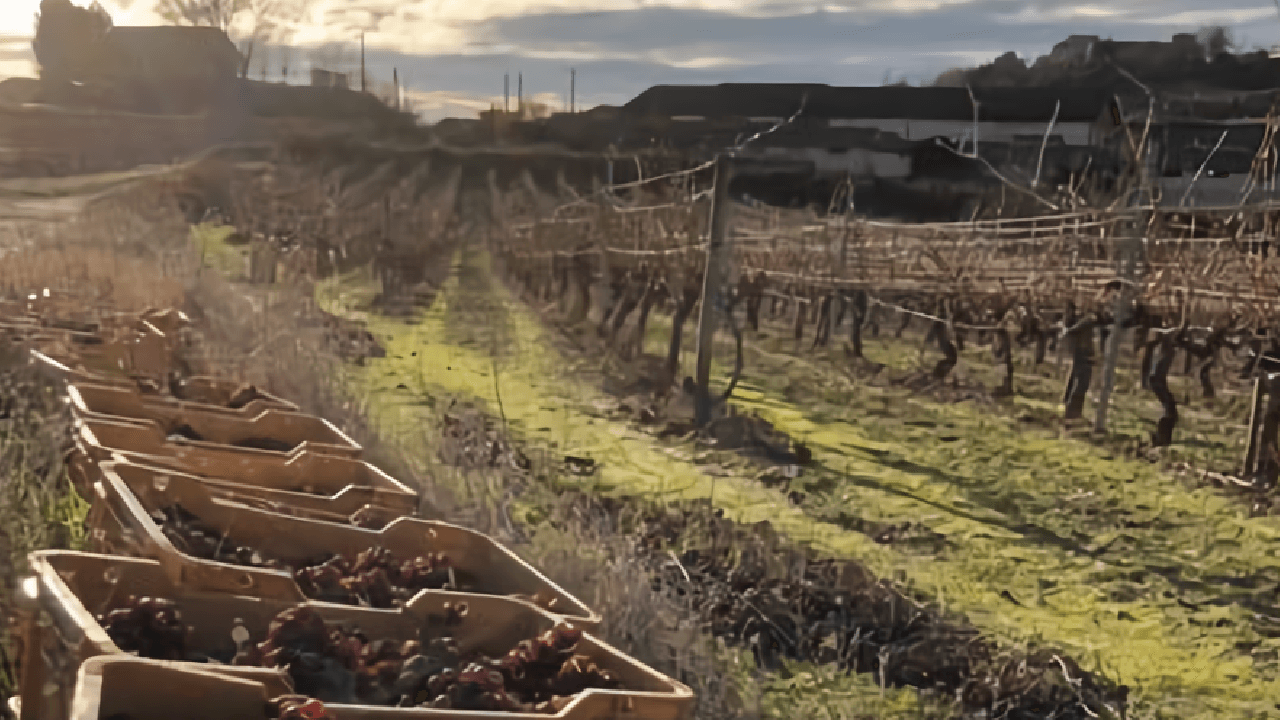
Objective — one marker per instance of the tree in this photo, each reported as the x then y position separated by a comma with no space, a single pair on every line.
273,21
1215,39
286,57
955,77
264,62
254,21
66,36
213,13
331,57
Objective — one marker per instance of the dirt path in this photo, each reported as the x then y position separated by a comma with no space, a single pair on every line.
1046,541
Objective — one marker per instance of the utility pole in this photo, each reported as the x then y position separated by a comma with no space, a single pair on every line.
362,86
395,79
506,93
713,280
520,94
573,81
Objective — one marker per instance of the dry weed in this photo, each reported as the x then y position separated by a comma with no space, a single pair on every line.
38,509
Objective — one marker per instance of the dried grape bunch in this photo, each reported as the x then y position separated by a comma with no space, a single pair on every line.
329,663
376,578
150,627
371,517
194,538
538,675
333,664
300,640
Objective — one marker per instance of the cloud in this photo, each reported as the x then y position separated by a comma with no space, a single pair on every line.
1238,16
21,67
440,104
14,44
16,58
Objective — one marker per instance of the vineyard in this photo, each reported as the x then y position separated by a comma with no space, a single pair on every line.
1033,286
1196,305
423,434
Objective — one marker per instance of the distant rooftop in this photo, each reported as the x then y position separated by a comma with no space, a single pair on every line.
172,50
760,100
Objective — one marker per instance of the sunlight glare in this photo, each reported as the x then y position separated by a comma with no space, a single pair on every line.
18,17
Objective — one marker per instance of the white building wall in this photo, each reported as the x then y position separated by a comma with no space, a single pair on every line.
1071,133
1210,191
855,161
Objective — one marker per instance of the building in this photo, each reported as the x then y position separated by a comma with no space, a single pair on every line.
168,52
1209,149
911,113
1184,48
1075,50
867,132
330,79
164,69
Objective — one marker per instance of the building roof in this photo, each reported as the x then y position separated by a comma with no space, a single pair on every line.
168,50
893,102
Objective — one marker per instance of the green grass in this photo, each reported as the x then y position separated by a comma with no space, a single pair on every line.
210,242
38,508
1106,558
432,357
1114,550
75,185
1210,434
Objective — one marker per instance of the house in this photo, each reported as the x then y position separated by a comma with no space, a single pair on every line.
169,52
164,69
912,113
870,132
1075,50
1184,48
1211,163
329,79
1207,147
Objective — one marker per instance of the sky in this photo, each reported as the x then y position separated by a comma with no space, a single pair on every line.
452,54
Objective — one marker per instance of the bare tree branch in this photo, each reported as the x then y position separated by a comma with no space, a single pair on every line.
254,21
214,13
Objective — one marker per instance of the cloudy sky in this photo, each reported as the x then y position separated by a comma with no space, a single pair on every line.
453,53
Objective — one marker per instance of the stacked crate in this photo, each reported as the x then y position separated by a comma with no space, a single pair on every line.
249,564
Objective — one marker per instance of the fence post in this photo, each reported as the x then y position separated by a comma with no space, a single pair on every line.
1255,420
713,279
1130,250
837,299
263,260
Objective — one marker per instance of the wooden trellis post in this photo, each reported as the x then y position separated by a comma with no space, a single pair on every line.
1255,420
263,261
713,280
1130,251
837,300
1264,427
